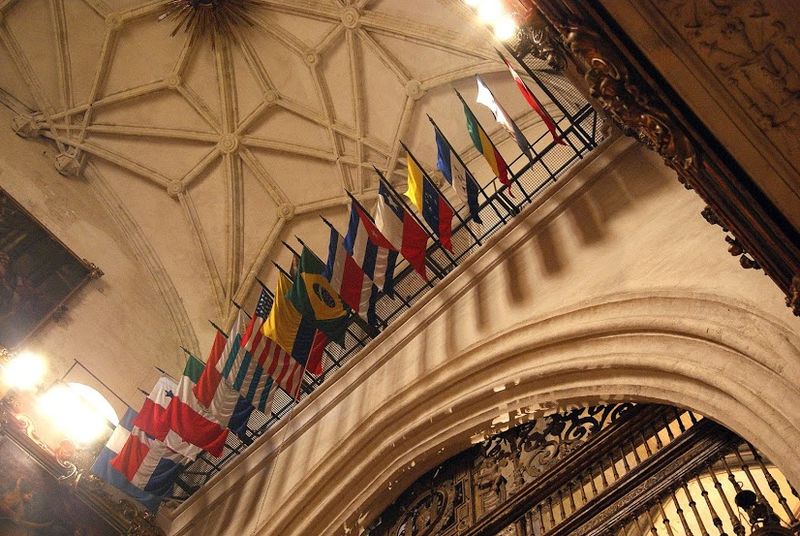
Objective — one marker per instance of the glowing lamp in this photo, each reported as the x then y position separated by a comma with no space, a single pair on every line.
505,28
490,11
24,372
77,411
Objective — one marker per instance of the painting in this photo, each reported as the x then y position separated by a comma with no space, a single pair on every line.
37,273
34,502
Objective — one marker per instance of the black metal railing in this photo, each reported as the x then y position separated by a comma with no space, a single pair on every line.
579,125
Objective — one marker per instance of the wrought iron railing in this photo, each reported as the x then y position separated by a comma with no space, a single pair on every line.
580,128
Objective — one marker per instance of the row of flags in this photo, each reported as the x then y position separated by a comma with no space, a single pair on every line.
312,305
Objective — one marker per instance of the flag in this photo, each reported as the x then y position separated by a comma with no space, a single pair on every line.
401,230
534,103
486,98
151,418
416,178
148,464
370,249
286,326
217,397
482,143
457,175
248,375
103,469
314,297
349,280
192,428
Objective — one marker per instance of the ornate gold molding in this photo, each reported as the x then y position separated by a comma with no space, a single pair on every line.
122,514
627,88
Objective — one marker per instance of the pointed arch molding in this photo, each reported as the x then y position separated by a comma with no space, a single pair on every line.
685,349
146,255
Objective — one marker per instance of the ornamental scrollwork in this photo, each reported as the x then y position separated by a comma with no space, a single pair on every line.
450,499
638,113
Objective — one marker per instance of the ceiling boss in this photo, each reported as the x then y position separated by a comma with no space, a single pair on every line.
208,17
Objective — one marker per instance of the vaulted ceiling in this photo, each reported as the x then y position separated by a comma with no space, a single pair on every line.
209,155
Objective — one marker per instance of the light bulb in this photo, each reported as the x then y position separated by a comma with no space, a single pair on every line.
505,28
24,372
74,415
490,11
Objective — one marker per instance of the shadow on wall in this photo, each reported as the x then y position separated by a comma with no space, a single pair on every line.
544,254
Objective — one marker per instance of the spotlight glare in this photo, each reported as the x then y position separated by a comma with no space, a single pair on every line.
24,372
72,414
490,11
505,28
473,3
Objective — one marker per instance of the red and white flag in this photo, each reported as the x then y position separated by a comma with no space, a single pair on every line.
152,417
534,103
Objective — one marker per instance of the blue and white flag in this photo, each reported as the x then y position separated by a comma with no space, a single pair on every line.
103,469
370,249
457,175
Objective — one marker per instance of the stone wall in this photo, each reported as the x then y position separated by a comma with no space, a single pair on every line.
612,287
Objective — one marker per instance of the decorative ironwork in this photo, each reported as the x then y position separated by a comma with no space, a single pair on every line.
214,18
449,499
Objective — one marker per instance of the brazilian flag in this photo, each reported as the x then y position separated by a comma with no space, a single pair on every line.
315,298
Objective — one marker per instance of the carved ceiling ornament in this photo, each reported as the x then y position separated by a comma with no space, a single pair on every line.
212,18
623,85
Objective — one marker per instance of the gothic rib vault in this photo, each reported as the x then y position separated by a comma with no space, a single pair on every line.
208,156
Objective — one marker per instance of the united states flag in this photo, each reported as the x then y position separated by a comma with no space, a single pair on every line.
262,363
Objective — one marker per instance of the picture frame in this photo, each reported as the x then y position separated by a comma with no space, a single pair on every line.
42,495
38,273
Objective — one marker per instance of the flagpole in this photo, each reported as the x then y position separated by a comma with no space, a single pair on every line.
508,187
218,329
552,98
458,156
329,224
364,210
438,191
400,198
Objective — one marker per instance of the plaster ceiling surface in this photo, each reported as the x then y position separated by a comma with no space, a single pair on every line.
209,156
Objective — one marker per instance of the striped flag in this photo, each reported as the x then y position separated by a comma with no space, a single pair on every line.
484,145
192,427
265,364
429,202
148,464
213,393
457,174
349,280
401,230
486,98
370,249
103,469
532,101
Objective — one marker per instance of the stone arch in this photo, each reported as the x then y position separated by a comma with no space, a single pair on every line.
717,356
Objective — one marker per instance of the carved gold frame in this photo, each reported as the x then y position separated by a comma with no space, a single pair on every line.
123,515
